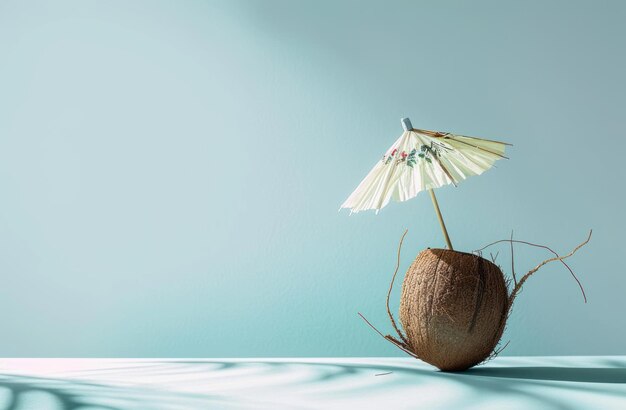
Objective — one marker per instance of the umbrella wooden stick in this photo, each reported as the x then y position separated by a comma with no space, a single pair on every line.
443,225
406,124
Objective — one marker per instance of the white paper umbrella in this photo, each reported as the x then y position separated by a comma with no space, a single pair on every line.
423,160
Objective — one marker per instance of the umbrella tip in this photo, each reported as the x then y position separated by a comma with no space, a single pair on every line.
406,124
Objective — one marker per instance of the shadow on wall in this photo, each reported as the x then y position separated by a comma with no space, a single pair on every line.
290,384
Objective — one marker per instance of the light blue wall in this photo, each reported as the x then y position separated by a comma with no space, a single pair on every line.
170,172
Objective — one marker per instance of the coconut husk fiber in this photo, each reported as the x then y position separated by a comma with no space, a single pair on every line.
453,308
454,305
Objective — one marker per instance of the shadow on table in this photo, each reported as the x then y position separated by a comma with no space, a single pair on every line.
337,380
564,374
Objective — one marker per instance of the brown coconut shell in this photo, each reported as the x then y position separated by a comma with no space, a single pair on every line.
453,308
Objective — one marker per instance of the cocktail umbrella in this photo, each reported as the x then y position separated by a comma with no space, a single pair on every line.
423,160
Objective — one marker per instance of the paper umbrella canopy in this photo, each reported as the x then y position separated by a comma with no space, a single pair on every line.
423,160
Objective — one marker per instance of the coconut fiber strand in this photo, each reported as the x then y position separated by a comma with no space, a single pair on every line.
453,308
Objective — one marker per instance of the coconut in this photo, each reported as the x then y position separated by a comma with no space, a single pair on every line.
454,305
453,308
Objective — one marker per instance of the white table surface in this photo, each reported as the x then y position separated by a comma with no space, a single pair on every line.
333,383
